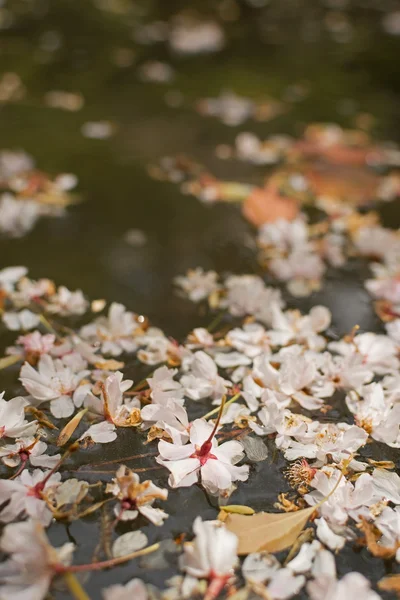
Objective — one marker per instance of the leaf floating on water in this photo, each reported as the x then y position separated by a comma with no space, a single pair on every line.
272,532
128,543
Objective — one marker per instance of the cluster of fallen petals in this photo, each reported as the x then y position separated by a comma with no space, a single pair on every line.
26,194
260,372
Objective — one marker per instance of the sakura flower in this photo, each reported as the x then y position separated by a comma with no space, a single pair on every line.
17,216
157,347
317,440
248,295
196,37
226,360
259,567
327,536
378,352
116,332
30,291
163,385
374,412
386,283
393,330
283,234
200,338
33,345
284,585
27,496
302,270
28,572
376,241
197,284
111,404
203,459
211,555
25,320
169,415
203,380
297,373
135,497
100,433
340,372
12,418
67,303
388,524
9,277
26,449
135,588
347,500
53,382
352,585
386,485
291,326
251,339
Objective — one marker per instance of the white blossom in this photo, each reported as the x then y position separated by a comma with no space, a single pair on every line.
27,573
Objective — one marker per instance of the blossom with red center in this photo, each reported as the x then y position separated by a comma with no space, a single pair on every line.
202,459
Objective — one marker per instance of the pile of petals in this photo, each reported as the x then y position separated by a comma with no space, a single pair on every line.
27,194
208,409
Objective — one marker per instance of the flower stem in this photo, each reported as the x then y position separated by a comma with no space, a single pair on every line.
75,587
106,564
216,410
74,446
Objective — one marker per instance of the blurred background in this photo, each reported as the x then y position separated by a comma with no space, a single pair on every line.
106,88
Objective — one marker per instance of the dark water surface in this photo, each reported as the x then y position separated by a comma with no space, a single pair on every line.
268,50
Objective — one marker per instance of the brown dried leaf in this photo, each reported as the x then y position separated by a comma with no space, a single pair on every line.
266,205
272,532
391,583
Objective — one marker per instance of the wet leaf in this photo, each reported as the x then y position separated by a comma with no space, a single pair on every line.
128,543
272,532
267,205
254,448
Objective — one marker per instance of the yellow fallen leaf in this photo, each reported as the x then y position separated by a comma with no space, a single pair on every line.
271,532
238,509
70,427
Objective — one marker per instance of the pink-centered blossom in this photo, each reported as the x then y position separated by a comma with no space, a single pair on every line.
202,459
